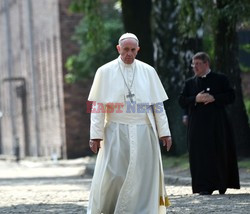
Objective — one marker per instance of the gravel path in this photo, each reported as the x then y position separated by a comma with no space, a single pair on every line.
62,187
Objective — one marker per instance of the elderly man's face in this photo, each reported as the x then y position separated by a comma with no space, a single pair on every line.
128,50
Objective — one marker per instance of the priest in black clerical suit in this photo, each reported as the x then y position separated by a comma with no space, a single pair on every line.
212,153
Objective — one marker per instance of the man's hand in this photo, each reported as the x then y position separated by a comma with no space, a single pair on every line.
94,145
199,97
167,142
205,98
209,98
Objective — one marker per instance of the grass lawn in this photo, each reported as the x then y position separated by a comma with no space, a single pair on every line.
182,162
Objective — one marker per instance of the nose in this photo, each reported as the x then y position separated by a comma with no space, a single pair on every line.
130,53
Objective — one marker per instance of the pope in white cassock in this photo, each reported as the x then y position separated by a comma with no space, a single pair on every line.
127,121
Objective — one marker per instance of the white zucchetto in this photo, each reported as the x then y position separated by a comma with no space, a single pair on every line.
128,36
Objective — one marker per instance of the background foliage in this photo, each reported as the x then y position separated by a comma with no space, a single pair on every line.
179,28
97,35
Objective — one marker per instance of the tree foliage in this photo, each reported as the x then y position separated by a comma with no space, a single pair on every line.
177,36
220,20
97,35
179,29
177,25
227,61
169,63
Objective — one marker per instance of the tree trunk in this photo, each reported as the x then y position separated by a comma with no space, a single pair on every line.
136,19
227,61
173,52
170,67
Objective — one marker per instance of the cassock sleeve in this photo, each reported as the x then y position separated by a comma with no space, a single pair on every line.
186,100
97,125
161,120
227,95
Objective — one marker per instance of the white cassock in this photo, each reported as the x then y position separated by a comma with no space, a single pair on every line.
128,177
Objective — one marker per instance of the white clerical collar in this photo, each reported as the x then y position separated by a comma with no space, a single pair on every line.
124,64
205,75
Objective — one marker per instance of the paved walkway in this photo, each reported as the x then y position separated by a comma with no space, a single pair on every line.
62,187
183,201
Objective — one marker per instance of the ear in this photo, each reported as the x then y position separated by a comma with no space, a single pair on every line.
118,48
138,48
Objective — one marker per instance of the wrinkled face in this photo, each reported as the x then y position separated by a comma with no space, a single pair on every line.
128,50
200,67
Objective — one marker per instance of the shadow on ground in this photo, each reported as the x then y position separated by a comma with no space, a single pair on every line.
42,180
216,204
65,208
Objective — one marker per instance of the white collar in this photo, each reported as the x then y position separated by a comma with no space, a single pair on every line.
124,64
205,75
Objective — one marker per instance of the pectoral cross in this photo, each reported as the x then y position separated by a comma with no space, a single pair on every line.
130,96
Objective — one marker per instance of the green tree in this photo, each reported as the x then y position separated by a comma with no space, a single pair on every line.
169,65
177,36
219,22
97,35
229,14
180,28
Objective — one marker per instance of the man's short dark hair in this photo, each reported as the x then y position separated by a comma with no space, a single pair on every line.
202,56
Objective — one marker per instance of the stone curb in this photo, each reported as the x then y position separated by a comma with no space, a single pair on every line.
177,180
